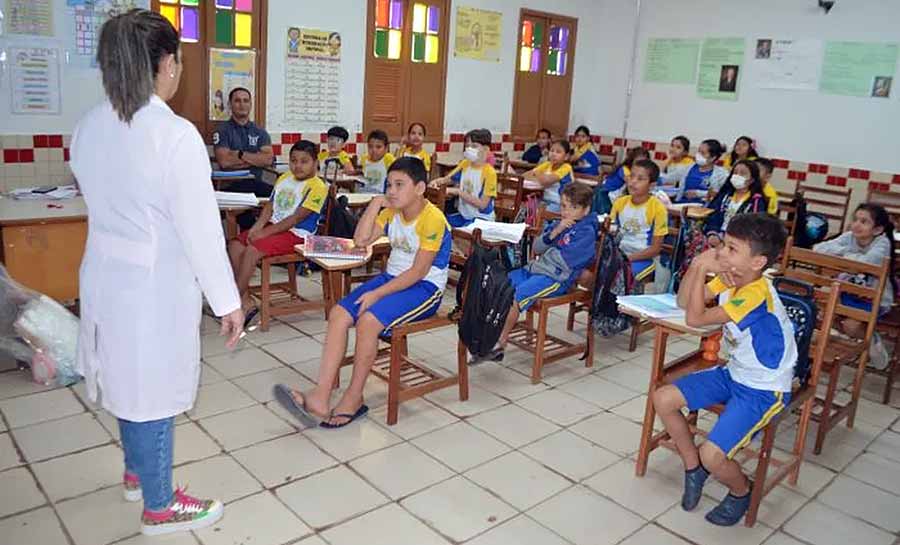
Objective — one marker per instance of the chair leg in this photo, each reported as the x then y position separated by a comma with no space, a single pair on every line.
891,376
394,380
570,320
857,388
635,332
265,295
462,370
589,334
539,346
800,440
292,278
825,418
762,470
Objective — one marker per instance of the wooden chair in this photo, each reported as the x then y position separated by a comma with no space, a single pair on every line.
830,202
821,271
547,348
509,196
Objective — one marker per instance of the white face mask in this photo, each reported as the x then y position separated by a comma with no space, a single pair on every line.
700,159
471,154
738,181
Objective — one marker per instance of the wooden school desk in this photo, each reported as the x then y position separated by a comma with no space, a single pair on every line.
43,246
336,272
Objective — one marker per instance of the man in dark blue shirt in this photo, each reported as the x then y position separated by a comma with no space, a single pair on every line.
239,144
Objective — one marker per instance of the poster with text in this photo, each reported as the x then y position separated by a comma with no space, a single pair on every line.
859,69
788,64
720,68
229,68
671,60
32,17
317,44
312,78
477,34
34,78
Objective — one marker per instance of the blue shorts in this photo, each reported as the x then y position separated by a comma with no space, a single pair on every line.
747,410
417,302
642,269
458,220
531,287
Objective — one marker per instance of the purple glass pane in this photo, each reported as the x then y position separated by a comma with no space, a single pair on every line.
434,15
227,4
535,60
190,24
554,38
561,63
396,14
563,38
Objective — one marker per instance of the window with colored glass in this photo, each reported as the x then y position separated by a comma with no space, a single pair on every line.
530,48
234,22
184,16
557,51
425,42
388,29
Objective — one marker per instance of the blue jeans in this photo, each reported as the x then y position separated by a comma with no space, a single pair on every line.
148,454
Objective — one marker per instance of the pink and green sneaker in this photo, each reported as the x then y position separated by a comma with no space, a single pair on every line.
185,513
131,487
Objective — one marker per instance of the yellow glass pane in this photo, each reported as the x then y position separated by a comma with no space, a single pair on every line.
168,2
394,38
419,14
525,59
243,29
170,13
431,49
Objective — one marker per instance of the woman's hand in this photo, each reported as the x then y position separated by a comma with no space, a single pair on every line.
232,327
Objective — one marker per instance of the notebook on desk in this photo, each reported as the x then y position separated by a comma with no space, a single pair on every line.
663,305
333,248
230,173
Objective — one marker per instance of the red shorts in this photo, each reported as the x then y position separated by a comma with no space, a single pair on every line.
280,244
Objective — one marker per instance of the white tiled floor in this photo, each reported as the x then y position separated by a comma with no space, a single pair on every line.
516,464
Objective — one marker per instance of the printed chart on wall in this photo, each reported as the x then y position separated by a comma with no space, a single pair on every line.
34,79
89,16
34,17
859,69
720,68
312,76
477,34
671,60
229,68
787,64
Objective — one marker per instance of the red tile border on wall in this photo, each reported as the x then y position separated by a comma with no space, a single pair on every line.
66,154
660,155
41,141
780,163
26,155
55,141
519,146
839,181
876,186
457,137
10,156
859,173
896,179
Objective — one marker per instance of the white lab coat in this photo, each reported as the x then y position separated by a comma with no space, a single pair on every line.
155,241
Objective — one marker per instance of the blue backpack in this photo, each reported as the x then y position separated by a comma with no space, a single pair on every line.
800,306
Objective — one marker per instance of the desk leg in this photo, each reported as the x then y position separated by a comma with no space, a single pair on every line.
656,376
231,226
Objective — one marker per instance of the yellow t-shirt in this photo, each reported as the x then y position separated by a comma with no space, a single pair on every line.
566,175
429,231
476,181
772,197
375,172
639,223
342,157
405,151
726,161
684,162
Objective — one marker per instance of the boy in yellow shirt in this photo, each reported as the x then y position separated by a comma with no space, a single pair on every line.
375,163
642,218
334,159
476,181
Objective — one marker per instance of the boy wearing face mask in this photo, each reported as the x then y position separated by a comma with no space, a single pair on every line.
475,181
334,159
742,193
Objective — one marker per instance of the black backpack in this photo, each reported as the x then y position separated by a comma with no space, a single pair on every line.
341,222
810,227
800,306
515,256
488,298
614,278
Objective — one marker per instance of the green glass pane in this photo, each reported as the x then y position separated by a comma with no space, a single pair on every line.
418,53
190,2
538,35
552,60
224,27
381,42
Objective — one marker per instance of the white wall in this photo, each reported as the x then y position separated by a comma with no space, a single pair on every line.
801,125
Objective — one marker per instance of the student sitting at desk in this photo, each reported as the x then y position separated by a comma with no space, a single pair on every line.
584,159
375,162
694,184
755,385
412,145
292,212
476,181
615,183
538,152
334,159
679,155
409,290
741,194
743,149
766,167
554,174
642,218
239,144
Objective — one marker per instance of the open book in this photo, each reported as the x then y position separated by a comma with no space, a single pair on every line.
231,173
333,248
661,305
224,198
494,231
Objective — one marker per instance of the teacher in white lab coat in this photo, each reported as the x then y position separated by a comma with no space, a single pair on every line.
155,246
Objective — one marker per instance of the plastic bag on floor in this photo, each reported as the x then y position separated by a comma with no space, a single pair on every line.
36,329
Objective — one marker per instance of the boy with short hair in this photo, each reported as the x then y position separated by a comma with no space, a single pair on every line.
375,162
642,219
410,289
334,159
564,250
766,167
755,385
292,212
476,181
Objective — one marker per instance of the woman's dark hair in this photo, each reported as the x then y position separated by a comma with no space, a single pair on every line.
716,148
479,136
379,135
632,155
338,132
131,47
750,152
651,168
583,129
564,144
307,147
412,167
416,124
685,141
881,218
580,195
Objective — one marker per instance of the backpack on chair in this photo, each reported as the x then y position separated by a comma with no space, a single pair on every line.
488,298
810,227
515,256
341,222
614,278
799,304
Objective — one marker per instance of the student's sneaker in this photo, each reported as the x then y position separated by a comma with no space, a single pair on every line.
496,354
878,354
731,510
131,486
185,513
693,487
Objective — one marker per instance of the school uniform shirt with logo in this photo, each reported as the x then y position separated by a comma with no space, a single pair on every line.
291,193
639,223
406,151
553,194
375,172
476,181
759,337
586,160
429,231
339,160
694,179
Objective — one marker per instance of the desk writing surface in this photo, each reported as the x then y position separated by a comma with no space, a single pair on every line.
19,212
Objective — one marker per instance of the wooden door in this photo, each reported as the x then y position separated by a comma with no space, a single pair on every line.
427,65
556,92
529,84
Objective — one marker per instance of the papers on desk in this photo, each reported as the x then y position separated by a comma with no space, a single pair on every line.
230,173
45,193
223,198
494,231
661,305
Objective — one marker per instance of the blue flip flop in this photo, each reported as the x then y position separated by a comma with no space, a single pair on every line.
284,396
251,314
360,412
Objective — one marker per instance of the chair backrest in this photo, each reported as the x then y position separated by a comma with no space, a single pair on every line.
509,196
330,203
545,215
437,196
827,300
799,301
830,202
